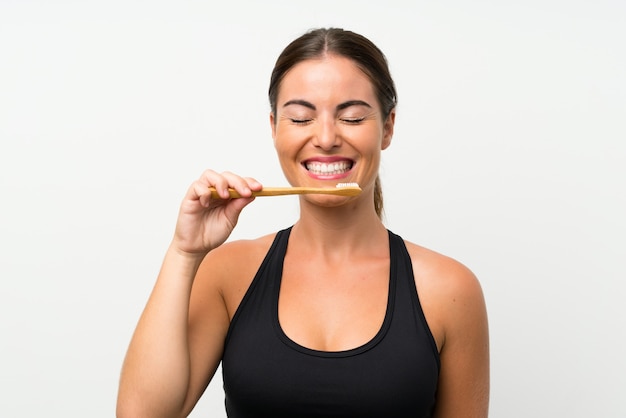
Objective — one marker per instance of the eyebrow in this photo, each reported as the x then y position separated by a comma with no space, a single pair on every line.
300,102
350,103
341,106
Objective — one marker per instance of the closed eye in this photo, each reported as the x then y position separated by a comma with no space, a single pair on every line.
352,121
300,121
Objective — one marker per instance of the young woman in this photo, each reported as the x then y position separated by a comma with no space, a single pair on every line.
333,316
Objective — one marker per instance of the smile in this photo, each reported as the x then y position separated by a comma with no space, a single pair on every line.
320,168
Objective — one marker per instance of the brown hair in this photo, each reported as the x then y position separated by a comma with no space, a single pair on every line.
365,54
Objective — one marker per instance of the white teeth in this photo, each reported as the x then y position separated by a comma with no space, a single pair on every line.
317,167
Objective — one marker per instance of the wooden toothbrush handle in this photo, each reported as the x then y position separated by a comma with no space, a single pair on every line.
282,191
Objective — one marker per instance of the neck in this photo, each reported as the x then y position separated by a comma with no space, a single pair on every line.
339,230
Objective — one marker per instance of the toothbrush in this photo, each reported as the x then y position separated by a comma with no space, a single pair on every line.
342,189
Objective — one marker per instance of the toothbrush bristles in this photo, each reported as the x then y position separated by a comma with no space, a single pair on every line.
347,185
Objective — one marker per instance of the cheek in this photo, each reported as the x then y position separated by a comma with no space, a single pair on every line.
278,134
287,137
369,139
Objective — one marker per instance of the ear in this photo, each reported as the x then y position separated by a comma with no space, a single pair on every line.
388,129
273,126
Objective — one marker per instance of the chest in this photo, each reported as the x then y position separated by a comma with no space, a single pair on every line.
268,372
333,308
382,382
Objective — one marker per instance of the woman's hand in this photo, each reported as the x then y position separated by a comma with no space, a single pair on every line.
204,223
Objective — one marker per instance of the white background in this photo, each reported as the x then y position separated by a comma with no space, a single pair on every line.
509,155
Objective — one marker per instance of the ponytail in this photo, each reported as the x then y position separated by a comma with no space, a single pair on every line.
378,197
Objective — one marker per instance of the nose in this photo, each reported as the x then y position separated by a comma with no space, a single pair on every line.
326,135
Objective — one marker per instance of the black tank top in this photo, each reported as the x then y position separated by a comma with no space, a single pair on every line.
266,374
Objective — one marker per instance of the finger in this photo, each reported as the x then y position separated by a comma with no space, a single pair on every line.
210,178
254,184
240,184
199,191
221,182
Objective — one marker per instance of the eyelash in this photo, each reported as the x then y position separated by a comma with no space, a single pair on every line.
353,121
300,121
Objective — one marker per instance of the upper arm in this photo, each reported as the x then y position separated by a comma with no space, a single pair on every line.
207,327
463,389
221,282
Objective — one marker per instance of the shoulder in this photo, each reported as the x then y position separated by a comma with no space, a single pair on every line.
452,301
230,268
450,293
237,254
441,272
454,307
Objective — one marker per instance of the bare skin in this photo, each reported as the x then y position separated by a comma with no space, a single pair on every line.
327,112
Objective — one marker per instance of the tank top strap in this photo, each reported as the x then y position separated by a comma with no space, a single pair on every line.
407,290
263,288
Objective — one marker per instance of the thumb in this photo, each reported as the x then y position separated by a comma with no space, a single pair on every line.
235,206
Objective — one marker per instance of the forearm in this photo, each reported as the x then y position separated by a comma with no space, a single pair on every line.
155,375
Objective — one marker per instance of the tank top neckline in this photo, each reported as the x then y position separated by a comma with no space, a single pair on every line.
391,296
